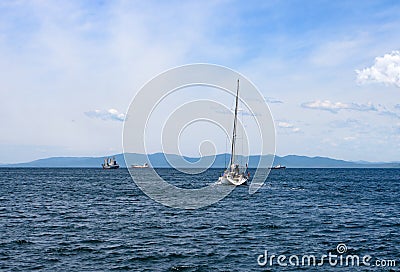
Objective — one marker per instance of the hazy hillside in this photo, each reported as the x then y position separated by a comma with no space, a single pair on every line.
159,160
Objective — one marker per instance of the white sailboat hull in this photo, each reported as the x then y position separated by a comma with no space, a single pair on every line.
229,180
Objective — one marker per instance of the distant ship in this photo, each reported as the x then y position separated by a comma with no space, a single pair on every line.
146,165
110,163
278,167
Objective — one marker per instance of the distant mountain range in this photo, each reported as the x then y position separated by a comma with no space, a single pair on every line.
158,160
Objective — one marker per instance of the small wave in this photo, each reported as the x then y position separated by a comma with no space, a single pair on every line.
145,258
390,225
53,260
220,228
82,249
243,231
175,255
354,226
92,241
115,247
297,189
202,227
23,242
186,268
57,250
273,226
122,267
5,258
175,236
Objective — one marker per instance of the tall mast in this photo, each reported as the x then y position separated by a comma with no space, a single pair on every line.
234,127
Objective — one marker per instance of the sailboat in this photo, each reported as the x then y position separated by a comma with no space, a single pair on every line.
232,175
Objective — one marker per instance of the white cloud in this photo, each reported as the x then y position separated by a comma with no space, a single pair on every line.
347,123
385,70
273,100
350,138
384,111
110,114
335,107
285,125
288,126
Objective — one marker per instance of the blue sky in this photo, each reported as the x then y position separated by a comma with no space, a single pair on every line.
69,69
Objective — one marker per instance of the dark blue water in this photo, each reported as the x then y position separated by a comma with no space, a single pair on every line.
96,220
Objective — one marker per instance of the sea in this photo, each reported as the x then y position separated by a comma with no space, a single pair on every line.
99,220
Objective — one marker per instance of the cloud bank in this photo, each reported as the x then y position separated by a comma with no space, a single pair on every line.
385,70
110,114
335,107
